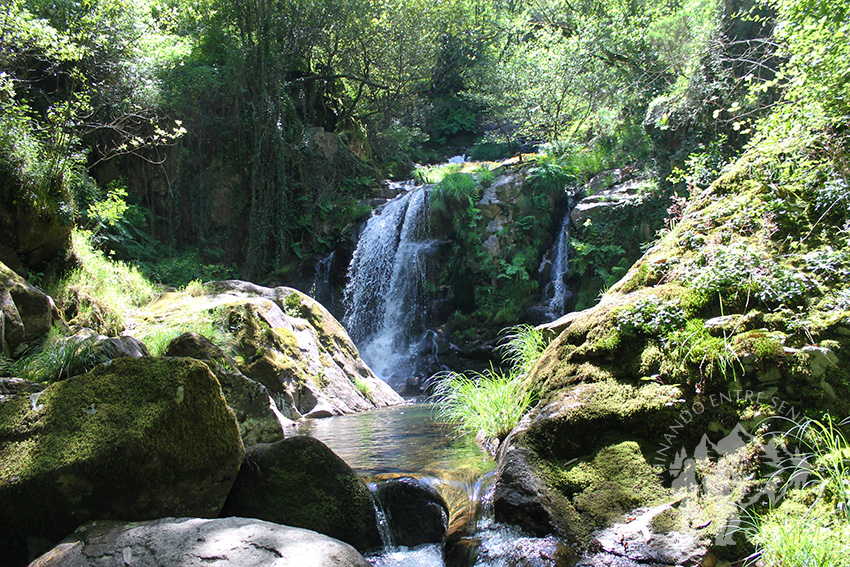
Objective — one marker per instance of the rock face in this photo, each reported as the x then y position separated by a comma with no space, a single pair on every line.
194,542
300,482
257,414
416,513
26,312
291,345
135,439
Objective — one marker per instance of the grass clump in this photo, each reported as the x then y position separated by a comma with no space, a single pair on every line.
490,402
207,324
99,293
58,357
811,528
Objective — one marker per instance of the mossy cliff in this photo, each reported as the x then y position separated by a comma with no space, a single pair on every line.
136,439
738,313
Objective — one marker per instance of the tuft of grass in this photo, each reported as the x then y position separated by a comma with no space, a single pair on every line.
489,402
522,346
59,357
100,293
195,288
813,540
157,338
363,387
811,528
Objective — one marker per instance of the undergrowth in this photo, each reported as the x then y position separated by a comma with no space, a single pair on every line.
99,293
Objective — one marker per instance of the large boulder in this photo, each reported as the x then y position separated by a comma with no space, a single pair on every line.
300,482
416,513
135,439
194,542
256,412
26,312
288,342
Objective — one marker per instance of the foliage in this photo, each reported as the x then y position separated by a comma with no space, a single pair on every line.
812,525
522,346
99,293
453,188
651,315
490,402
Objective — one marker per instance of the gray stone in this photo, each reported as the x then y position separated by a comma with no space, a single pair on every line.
290,344
820,359
599,205
194,542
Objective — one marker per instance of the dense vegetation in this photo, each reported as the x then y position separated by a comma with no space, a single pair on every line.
217,138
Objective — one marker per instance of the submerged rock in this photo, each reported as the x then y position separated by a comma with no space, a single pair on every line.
194,542
300,482
135,439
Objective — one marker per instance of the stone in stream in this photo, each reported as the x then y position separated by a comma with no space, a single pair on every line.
135,439
416,513
300,482
194,542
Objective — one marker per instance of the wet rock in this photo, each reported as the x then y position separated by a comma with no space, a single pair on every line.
300,482
257,414
135,439
634,543
194,542
415,511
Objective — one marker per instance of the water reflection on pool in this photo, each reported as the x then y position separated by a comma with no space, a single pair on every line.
400,440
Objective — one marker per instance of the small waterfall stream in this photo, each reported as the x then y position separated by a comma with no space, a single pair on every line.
386,312
560,264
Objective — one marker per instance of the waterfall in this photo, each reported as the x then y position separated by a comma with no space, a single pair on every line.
556,289
322,288
386,310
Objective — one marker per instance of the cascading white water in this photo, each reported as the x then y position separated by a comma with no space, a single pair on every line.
557,287
385,308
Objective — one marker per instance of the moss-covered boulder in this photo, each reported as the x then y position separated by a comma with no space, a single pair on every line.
135,439
300,482
286,341
256,412
26,312
738,314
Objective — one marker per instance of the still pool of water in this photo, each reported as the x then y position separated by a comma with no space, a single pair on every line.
406,441
399,440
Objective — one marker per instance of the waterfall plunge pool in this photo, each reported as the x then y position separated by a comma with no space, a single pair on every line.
405,440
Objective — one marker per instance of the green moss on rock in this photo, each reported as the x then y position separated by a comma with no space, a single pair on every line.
135,439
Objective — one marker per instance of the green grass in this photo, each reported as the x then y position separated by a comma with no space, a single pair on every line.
811,528
59,357
100,293
157,337
813,540
489,402
522,347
